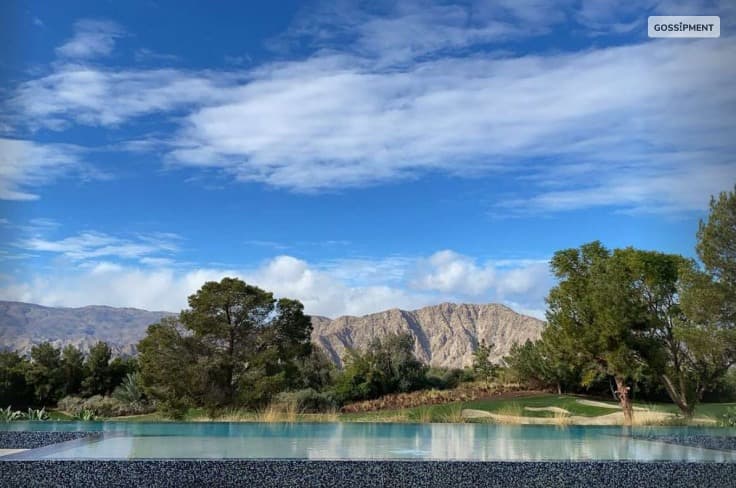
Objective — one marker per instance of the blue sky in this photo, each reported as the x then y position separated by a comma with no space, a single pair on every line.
355,155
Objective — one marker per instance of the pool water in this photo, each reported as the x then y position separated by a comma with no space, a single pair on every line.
481,442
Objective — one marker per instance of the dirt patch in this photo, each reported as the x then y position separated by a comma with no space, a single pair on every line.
548,409
617,418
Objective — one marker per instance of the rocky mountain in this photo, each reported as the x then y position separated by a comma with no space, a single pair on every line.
446,334
23,324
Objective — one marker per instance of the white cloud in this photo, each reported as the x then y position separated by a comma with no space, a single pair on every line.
325,289
25,164
94,245
454,274
98,97
92,38
625,126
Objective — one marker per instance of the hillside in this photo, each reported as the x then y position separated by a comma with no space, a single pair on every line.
446,334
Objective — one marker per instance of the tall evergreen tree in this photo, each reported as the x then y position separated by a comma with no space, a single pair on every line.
72,370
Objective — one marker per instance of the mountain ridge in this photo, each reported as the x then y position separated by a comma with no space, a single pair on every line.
446,334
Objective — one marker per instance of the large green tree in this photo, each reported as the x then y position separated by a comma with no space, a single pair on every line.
98,379
72,370
704,333
716,249
594,312
246,346
44,373
15,389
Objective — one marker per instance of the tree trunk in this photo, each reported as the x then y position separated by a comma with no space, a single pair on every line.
678,397
625,400
559,388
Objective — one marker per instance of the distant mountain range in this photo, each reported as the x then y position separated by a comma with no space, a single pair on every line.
446,334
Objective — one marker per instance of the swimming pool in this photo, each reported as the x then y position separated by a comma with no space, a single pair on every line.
370,441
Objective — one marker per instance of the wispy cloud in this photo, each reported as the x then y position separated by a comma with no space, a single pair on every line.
26,164
94,245
92,38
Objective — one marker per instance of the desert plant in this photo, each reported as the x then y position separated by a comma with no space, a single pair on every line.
35,414
129,391
454,414
9,415
423,415
86,415
278,413
511,413
561,419
71,405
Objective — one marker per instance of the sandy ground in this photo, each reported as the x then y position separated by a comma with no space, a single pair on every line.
616,418
593,403
641,417
548,409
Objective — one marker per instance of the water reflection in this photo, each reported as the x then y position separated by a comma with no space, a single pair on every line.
384,441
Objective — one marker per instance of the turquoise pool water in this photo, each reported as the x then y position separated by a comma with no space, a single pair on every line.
483,442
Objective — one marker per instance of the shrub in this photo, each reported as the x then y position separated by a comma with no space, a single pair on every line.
86,415
446,379
101,406
308,400
34,414
9,415
728,419
129,391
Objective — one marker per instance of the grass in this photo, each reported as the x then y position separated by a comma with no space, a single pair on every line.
446,412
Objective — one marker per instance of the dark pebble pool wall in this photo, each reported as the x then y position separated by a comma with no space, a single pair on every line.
32,440
346,474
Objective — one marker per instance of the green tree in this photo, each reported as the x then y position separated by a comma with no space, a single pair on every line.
15,390
542,364
44,373
245,347
226,316
171,372
716,247
596,313
388,365
316,371
72,370
483,367
98,379
705,332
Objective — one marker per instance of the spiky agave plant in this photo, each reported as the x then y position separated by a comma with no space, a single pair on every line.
86,415
129,391
37,414
9,415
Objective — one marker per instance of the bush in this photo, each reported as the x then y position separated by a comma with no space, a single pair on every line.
729,418
101,406
308,400
34,414
9,415
446,379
